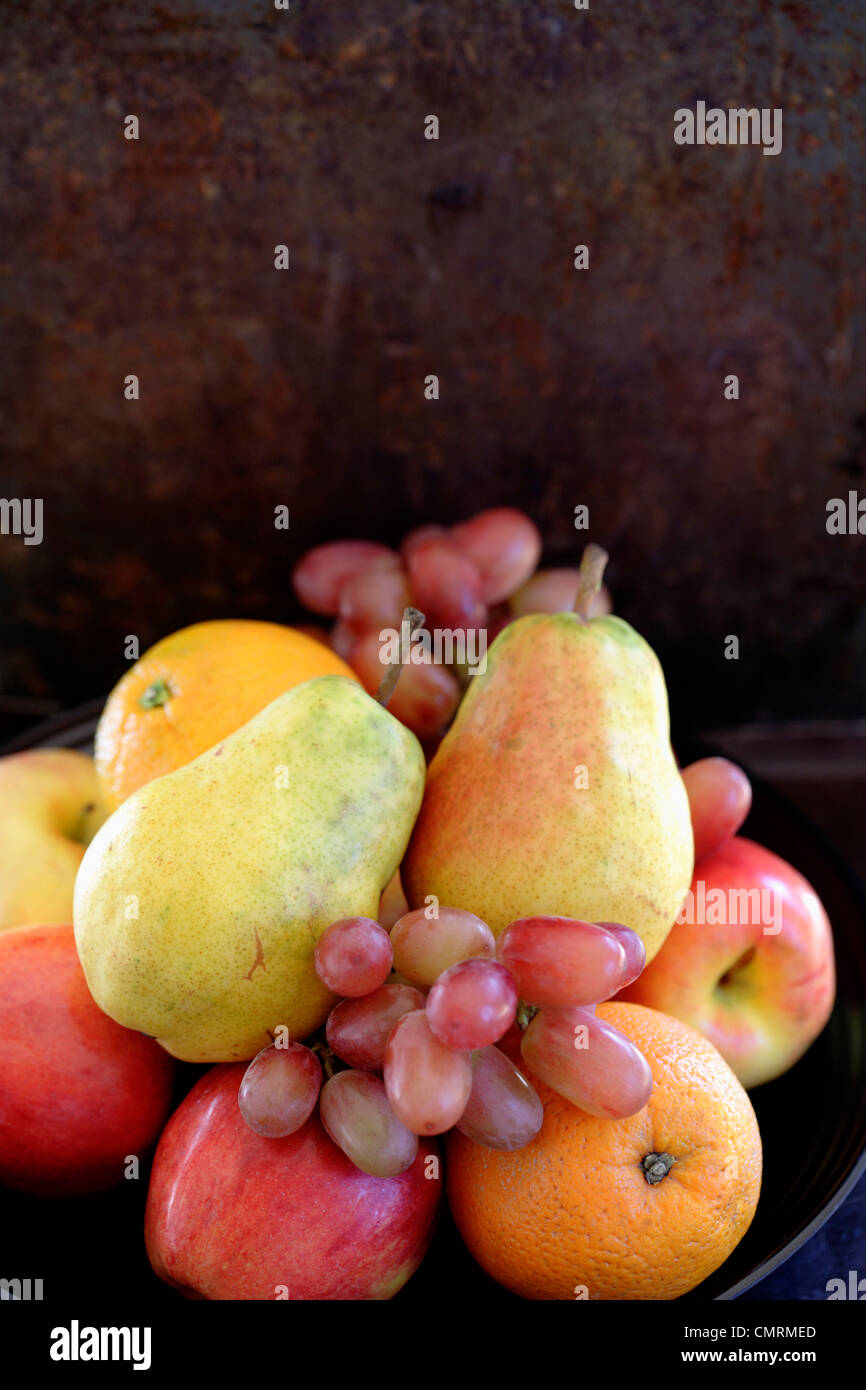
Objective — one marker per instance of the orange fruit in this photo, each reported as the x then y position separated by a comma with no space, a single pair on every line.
192,689
573,1214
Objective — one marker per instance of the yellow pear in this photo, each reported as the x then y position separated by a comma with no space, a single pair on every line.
199,903
555,791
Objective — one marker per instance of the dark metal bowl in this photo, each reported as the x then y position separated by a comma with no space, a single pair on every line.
812,1120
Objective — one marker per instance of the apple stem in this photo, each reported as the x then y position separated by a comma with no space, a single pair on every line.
656,1167
392,675
592,567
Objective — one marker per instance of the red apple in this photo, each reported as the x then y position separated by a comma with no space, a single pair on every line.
233,1215
749,961
78,1093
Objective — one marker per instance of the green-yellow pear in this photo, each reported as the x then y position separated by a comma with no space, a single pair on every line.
199,903
555,792
50,809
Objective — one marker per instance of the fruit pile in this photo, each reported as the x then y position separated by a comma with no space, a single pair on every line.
536,939
420,1048
480,574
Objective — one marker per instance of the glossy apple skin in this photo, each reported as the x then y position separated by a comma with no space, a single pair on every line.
78,1093
233,1215
762,997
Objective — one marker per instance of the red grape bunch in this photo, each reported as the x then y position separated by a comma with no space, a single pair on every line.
411,1048
478,574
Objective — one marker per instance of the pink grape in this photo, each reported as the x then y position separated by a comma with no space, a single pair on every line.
425,946
279,1089
446,585
355,1112
392,903
420,534
343,640
374,599
425,697
635,953
353,957
319,575
588,1061
560,961
504,545
554,591
472,1004
357,1029
503,1111
720,798
427,1083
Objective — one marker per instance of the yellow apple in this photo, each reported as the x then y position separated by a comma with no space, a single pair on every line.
50,809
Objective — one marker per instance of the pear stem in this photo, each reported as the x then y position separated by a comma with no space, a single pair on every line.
392,675
592,568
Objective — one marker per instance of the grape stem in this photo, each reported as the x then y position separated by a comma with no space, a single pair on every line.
525,1014
392,675
331,1063
592,566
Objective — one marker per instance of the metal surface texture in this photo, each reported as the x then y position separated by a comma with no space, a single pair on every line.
407,257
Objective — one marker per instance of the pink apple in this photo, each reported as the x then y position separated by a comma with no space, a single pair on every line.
233,1215
749,961
79,1094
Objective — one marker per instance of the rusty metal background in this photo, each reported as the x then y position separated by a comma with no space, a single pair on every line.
454,256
